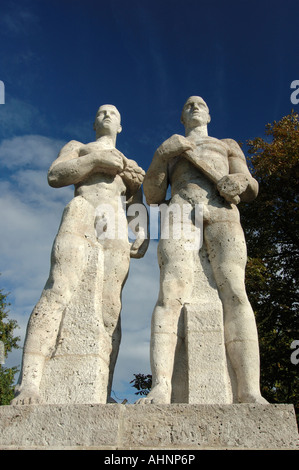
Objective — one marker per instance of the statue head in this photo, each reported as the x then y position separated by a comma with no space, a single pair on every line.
195,113
107,121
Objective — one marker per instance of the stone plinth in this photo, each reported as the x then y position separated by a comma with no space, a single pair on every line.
141,427
203,373
208,377
78,370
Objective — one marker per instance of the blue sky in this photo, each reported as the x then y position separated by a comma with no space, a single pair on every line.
60,60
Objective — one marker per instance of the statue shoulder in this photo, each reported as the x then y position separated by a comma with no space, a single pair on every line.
71,146
234,148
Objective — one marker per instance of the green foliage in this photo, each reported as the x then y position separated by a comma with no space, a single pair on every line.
271,228
7,376
10,342
143,383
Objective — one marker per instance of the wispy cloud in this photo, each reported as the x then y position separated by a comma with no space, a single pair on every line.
34,151
17,20
30,214
19,117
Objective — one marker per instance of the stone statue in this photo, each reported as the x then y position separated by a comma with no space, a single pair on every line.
212,173
87,274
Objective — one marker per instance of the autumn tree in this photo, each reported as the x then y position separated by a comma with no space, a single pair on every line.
271,228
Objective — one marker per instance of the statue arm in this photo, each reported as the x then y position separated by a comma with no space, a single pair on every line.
141,228
63,171
70,168
239,172
156,179
133,176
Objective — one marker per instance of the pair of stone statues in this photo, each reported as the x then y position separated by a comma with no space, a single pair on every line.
88,270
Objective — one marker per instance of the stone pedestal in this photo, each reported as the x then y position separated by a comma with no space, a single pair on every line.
78,370
142,427
202,371
210,379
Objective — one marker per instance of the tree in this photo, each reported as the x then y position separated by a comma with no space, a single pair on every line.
9,341
271,227
143,383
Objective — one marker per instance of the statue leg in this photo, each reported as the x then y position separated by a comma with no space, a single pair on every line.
68,259
176,283
116,268
228,257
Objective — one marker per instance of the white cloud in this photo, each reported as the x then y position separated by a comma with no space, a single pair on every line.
30,215
34,151
30,210
19,116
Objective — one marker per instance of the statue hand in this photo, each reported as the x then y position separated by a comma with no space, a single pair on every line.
112,160
139,247
174,146
231,186
132,174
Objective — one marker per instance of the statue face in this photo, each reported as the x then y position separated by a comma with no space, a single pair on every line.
107,120
195,112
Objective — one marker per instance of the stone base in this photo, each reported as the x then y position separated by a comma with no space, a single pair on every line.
202,372
78,370
210,377
148,427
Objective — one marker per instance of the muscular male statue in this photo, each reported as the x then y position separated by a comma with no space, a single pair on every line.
101,175
211,172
